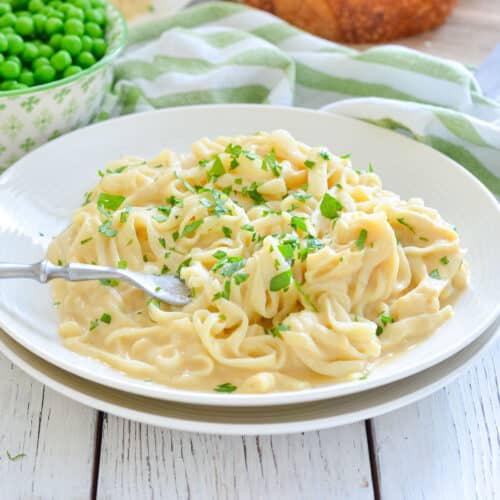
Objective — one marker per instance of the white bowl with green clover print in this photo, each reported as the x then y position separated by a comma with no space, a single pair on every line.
31,117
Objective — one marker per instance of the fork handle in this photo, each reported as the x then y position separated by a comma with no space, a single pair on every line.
18,271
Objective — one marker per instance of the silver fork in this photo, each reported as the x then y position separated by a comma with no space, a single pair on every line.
166,288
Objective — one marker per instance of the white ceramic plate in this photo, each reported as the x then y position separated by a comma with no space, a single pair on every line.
38,195
249,421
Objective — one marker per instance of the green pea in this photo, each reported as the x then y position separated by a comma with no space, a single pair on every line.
61,60
44,74
7,31
16,44
72,70
36,5
93,30
8,19
5,8
39,21
45,50
87,43
15,59
55,41
23,13
27,78
72,44
74,27
75,13
18,4
85,59
9,85
24,26
40,61
53,25
30,52
99,48
4,44
10,70
94,16
98,3
2,58
82,4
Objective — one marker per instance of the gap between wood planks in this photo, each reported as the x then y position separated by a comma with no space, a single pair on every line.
98,448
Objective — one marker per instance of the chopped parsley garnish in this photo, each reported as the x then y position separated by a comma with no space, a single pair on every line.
110,201
330,206
175,235
281,281
240,278
270,163
124,214
106,229
217,169
309,163
276,332
406,224
165,269
122,264
370,168
238,181
162,242
106,318
191,228
226,292
227,265
159,218
444,260
360,242
305,296
299,223
423,238
339,186
286,250
87,197
301,196
109,282
435,274
227,387
248,227
86,240
59,262
94,324
379,331
118,170
203,163
346,157
13,458
386,319
185,263
324,154
227,231
253,192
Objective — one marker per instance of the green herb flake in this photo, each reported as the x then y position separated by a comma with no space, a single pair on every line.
406,224
191,228
106,318
309,163
110,201
360,242
122,264
379,331
435,274
87,197
217,169
165,269
226,387
203,163
185,263
271,163
226,292
14,458
93,324
330,206
240,278
227,231
305,296
175,235
106,229
248,227
423,238
124,214
346,157
286,250
444,260
299,223
86,240
371,169
386,319
281,281
109,282
324,154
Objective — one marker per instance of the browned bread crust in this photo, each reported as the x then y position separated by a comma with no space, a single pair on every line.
360,21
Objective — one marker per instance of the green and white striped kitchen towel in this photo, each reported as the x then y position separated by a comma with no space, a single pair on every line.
225,52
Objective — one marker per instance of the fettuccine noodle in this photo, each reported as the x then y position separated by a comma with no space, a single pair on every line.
303,270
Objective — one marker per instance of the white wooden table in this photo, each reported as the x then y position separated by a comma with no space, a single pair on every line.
445,447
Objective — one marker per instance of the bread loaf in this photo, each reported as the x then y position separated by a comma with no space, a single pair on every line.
360,21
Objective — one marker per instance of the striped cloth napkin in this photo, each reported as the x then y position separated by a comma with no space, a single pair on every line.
225,52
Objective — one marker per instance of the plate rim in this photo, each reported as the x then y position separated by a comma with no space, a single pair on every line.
184,425
323,392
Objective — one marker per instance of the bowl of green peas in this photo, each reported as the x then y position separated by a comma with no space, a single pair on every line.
55,67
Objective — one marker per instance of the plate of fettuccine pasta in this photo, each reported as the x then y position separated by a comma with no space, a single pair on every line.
325,256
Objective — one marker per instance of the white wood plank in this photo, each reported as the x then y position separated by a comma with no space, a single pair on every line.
139,461
447,445
56,434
